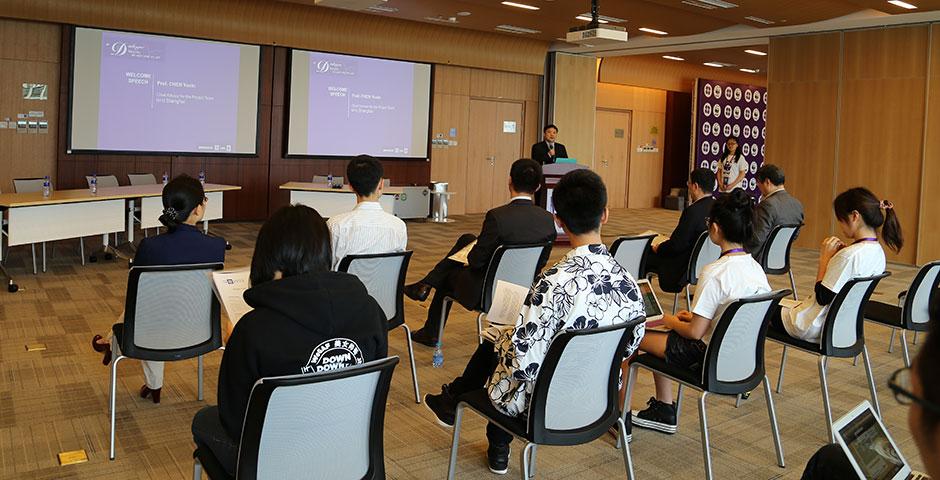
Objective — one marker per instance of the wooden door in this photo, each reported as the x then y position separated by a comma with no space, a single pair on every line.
508,148
481,158
611,154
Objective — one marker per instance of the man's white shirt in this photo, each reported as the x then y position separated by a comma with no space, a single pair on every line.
366,229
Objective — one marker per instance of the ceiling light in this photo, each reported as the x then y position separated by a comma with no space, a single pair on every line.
760,20
698,4
463,14
899,3
671,57
520,5
515,29
587,18
713,64
756,52
653,31
748,70
381,9
441,19
709,4
600,18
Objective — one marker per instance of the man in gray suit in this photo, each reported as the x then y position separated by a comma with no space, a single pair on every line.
777,207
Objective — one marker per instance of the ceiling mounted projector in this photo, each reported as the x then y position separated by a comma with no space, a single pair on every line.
350,4
594,34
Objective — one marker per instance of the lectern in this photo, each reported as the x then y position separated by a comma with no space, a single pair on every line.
551,174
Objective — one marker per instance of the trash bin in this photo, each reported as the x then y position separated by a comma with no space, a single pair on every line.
439,197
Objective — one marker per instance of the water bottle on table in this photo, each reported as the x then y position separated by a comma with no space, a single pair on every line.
329,180
46,187
202,177
166,179
93,184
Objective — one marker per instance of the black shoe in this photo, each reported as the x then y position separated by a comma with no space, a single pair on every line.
424,337
443,406
418,291
498,458
658,416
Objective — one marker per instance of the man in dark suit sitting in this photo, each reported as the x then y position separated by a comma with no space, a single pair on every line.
777,207
670,259
546,151
517,223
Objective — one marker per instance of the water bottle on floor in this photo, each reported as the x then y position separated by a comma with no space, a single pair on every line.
93,185
437,360
46,187
166,179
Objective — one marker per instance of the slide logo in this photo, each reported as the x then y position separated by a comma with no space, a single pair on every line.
118,49
323,66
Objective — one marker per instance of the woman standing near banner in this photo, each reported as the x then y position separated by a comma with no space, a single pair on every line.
733,167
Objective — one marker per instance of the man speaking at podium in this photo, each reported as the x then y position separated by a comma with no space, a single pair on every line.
546,151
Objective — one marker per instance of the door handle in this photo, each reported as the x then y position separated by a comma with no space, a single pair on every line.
492,160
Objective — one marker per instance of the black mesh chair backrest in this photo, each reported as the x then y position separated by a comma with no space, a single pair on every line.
734,358
383,274
171,312
326,426
843,333
775,256
630,253
914,312
576,395
516,264
704,252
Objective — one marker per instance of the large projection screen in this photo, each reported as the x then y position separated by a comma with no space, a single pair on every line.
344,105
139,93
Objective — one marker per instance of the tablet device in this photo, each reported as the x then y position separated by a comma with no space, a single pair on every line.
654,311
869,448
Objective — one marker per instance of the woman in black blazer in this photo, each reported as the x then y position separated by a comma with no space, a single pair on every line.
184,205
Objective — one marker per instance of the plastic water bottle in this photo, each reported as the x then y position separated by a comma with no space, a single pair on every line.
202,177
166,179
93,186
437,361
329,180
46,187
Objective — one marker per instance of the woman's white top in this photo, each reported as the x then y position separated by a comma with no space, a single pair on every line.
730,170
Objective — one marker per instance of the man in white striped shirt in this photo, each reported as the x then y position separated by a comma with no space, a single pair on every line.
367,228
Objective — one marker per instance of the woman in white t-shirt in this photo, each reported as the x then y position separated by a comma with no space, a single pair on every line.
860,214
733,167
734,275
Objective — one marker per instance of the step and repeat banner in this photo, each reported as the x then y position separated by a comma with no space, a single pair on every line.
724,110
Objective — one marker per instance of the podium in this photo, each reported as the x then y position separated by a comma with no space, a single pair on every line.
551,174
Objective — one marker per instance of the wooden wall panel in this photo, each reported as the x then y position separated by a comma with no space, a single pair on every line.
928,245
268,22
575,87
802,122
651,72
881,130
449,164
29,52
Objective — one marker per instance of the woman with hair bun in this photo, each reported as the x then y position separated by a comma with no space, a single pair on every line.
860,214
184,205
733,276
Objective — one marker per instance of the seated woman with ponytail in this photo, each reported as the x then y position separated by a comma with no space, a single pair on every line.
733,276
859,214
184,204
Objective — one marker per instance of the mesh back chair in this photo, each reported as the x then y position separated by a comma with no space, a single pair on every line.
574,401
317,426
775,256
141,179
170,313
32,185
733,365
384,277
911,312
516,264
843,336
630,252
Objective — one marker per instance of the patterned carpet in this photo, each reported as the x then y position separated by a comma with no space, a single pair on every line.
56,400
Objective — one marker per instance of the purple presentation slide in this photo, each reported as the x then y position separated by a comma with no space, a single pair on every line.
164,94
360,105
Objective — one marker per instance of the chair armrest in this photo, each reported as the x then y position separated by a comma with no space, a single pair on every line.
902,296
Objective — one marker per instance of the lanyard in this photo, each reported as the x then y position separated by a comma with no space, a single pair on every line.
729,252
866,239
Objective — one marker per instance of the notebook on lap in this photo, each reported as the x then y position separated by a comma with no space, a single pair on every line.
869,447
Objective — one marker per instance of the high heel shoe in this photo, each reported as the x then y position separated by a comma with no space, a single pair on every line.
102,347
154,393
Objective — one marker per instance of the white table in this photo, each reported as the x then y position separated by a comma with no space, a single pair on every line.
332,201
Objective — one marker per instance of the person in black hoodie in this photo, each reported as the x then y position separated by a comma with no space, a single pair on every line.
306,319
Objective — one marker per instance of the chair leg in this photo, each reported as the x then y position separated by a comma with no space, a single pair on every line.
113,400
411,357
871,381
535,448
737,400
773,422
43,257
199,380
706,449
783,364
907,356
81,249
915,337
452,466
197,469
627,398
824,386
894,332
793,286
627,458
675,304
440,331
33,246
526,473
480,328
688,297
678,405
855,361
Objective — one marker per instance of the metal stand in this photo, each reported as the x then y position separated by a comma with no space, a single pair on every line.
439,207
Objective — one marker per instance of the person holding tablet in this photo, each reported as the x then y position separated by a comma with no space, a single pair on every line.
734,275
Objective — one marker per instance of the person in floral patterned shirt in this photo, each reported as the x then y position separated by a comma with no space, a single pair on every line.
585,289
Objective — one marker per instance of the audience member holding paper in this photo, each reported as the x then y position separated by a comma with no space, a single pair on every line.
184,204
305,319
860,214
518,222
367,228
734,275
587,288
669,259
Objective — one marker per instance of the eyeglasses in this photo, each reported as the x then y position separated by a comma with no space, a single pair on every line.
900,384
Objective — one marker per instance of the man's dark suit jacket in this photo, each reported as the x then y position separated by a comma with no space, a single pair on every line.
780,208
672,256
540,152
518,223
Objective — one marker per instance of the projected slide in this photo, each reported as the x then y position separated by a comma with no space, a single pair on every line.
343,105
145,93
